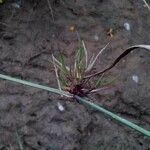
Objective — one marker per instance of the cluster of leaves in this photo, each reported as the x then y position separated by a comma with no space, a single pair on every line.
76,79
72,79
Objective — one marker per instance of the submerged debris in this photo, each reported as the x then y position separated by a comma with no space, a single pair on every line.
135,78
127,26
96,38
60,107
15,5
110,32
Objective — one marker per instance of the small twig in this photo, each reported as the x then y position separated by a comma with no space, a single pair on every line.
51,10
146,4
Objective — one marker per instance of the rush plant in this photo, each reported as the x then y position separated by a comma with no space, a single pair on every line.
79,79
73,82
73,79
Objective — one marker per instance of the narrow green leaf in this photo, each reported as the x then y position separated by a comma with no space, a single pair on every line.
86,54
56,72
57,62
91,64
106,82
79,66
19,141
61,71
80,55
125,53
63,80
64,67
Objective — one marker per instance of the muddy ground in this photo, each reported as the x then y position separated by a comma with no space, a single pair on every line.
28,37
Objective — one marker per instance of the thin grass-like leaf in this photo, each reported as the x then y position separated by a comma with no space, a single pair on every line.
100,79
57,61
105,82
59,64
19,141
91,60
86,54
141,46
80,55
64,67
99,89
56,72
91,64
63,79
146,4
126,52
79,66
63,72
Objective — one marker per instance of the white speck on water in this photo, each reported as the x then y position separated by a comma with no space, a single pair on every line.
60,107
123,60
96,38
16,5
135,78
127,26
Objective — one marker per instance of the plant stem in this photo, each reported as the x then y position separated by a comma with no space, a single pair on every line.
82,101
146,4
114,116
35,85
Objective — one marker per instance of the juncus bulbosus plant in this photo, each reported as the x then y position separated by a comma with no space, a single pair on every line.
77,80
74,86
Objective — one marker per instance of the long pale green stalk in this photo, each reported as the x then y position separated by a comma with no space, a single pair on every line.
114,116
147,5
82,101
57,91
